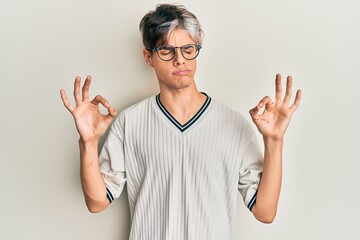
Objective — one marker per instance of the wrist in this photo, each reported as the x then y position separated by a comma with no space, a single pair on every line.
92,143
273,143
273,140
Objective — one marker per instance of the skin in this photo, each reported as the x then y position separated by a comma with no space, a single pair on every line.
181,98
178,90
91,125
272,124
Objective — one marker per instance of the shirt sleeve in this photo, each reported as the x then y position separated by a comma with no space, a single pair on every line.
250,170
112,160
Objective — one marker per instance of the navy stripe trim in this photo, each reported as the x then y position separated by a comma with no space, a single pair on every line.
182,128
252,201
109,195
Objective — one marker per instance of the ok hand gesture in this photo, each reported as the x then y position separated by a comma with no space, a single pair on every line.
90,122
273,122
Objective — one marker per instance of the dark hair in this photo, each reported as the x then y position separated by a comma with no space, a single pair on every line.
156,26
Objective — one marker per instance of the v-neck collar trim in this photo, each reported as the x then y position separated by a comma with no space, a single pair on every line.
182,128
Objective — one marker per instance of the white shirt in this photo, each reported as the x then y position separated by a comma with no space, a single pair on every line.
182,180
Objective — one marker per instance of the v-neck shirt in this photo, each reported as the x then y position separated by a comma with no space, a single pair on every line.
182,180
183,127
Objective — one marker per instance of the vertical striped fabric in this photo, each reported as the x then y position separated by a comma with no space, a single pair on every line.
182,180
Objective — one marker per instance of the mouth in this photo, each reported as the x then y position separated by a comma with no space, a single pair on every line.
181,72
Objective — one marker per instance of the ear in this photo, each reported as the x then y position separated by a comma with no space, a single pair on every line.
147,57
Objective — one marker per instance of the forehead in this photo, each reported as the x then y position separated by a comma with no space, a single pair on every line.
179,37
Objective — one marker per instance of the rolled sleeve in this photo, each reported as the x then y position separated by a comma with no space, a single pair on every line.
250,171
112,160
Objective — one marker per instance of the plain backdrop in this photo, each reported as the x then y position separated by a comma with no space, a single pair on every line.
45,44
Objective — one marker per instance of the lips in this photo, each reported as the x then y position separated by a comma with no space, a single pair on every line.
181,72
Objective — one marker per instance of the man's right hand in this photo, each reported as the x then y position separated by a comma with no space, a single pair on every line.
90,122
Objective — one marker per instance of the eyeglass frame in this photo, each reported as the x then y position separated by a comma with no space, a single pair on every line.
198,47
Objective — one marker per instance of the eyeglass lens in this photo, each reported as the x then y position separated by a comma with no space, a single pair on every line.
189,52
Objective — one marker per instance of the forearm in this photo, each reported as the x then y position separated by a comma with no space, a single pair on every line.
92,182
269,189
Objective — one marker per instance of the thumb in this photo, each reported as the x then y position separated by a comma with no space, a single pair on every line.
112,111
111,114
254,111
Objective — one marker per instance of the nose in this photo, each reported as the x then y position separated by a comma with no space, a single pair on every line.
178,59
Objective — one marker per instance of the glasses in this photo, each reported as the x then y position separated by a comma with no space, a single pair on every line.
168,52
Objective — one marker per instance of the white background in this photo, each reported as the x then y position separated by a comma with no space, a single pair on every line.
45,44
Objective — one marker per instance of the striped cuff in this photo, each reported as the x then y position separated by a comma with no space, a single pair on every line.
252,201
109,195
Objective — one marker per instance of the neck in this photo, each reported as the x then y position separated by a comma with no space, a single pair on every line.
182,104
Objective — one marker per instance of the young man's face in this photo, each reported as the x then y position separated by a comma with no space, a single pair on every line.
179,72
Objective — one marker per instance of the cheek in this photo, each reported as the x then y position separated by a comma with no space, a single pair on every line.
161,72
193,66
162,69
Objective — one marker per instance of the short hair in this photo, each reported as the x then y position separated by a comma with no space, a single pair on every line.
157,25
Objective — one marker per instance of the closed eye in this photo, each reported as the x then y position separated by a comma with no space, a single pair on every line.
188,48
166,50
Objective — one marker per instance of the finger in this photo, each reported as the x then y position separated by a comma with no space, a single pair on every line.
99,99
296,101
65,100
85,88
254,111
112,112
278,87
77,90
263,102
288,89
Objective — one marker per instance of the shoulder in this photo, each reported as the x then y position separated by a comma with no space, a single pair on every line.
227,112
134,111
231,119
140,106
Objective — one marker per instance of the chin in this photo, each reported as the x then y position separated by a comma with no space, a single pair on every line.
184,82
177,82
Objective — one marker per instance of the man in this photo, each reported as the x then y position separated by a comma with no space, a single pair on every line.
182,154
